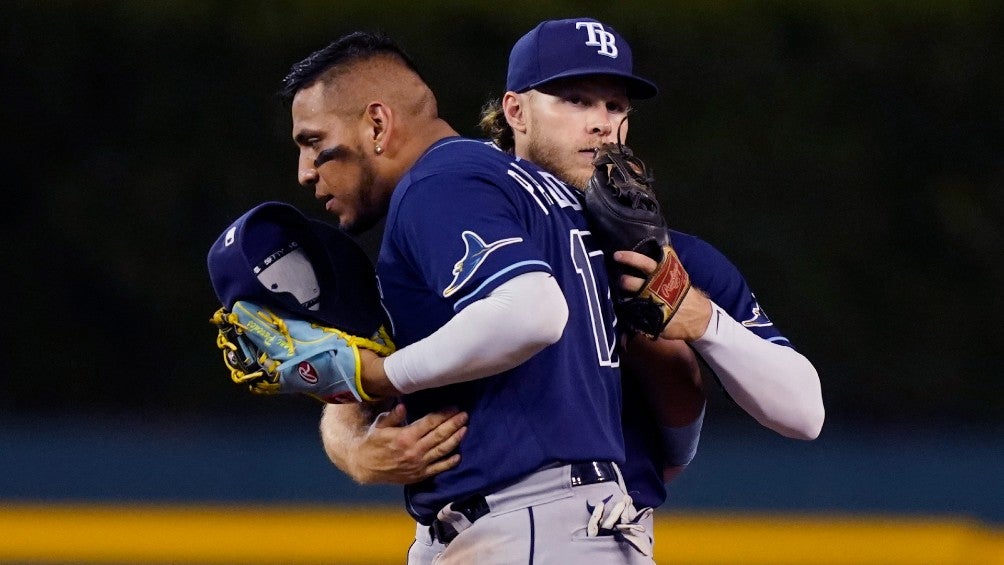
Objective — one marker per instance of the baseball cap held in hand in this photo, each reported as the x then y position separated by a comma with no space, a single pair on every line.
277,258
570,48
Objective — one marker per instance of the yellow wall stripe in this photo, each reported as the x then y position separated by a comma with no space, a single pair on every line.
36,533
825,539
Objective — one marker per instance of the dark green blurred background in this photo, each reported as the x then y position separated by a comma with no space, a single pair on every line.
847,156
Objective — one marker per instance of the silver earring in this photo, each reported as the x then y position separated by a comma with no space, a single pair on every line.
378,149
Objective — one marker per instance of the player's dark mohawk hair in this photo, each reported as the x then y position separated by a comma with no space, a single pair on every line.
356,46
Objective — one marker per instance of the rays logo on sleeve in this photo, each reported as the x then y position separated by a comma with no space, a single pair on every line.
475,253
759,318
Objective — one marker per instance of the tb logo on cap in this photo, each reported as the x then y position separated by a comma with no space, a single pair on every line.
599,37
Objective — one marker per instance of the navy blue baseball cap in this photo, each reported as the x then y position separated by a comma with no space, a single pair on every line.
571,48
276,257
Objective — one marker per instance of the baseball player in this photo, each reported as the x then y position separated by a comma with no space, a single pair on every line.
792,408
569,87
499,303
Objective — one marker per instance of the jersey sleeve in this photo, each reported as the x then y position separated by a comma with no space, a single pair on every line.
465,235
712,272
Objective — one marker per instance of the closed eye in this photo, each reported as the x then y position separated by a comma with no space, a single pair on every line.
307,139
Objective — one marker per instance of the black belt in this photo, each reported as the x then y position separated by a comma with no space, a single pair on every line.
475,506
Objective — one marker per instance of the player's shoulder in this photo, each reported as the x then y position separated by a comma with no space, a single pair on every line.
707,266
462,156
452,170
716,275
694,251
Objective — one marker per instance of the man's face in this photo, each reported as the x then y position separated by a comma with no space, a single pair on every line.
332,161
567,119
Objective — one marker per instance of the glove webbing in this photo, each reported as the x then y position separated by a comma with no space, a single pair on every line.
239,369
628,168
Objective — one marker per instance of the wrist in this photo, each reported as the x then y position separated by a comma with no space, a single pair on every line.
703,316
680,442
692,319
373,380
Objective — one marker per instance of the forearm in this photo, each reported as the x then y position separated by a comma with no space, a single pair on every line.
775,384
343,429
529,308
669,375
670,378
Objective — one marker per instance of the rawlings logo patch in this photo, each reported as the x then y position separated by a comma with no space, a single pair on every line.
307,373
475,253
671,282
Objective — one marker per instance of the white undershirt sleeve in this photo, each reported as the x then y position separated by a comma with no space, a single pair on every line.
775,384
501,331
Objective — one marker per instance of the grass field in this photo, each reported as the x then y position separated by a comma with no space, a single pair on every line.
312,534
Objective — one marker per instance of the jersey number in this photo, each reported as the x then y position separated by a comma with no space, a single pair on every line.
603,337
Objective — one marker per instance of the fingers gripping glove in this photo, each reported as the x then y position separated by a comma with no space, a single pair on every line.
624,213
273,355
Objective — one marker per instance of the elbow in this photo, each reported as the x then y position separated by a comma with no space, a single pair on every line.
807,423
670,472
809,426
816,426
814,413
361,479
556,326
546,326
338,450
815,420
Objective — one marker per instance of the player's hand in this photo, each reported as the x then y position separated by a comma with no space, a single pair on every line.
690,321
401,454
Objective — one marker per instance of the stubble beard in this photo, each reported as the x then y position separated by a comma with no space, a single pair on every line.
372,203
548,157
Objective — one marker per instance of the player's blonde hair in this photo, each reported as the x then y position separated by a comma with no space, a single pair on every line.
495,127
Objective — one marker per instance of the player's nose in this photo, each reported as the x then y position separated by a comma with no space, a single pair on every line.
600,124
307,177
306,174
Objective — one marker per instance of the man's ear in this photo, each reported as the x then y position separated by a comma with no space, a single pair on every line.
378,120
514,108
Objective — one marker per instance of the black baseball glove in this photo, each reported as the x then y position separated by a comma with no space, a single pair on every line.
624,213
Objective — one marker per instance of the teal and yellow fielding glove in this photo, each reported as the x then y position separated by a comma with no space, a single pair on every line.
300,298
275,355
